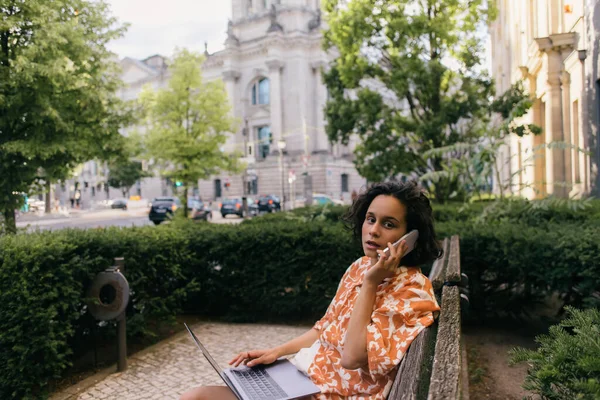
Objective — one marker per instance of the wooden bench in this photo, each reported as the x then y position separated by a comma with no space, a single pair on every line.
433,366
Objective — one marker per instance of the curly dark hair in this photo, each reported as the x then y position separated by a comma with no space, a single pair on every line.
419,216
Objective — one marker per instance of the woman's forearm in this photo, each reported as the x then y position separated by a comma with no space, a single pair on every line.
354,355
294,345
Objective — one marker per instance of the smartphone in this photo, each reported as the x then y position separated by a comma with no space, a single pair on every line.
411,239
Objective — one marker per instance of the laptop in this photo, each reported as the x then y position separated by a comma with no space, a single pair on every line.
278,381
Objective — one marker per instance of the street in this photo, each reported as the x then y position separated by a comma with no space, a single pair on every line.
99,219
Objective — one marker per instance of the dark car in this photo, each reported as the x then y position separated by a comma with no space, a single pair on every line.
269,203
232,206
200,211
119,203
235,206
163,208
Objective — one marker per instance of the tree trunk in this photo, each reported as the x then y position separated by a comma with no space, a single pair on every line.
48,197
185,201
10,224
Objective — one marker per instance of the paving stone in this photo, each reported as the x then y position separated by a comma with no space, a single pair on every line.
174,366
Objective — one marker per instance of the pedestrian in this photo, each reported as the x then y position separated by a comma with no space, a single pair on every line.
354,195
72,202
382,303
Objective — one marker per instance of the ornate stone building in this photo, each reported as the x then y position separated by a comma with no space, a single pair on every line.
552,46
271,66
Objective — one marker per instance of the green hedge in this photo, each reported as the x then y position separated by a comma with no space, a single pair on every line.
513,267
244,273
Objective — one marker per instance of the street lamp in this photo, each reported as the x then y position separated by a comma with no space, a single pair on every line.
281,147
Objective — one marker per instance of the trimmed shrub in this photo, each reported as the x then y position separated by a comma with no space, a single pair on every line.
244,273
512,267
566,364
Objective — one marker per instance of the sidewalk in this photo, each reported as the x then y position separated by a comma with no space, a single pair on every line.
169,368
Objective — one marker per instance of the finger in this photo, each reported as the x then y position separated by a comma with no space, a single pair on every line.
382,257
239,361
392,249
256,361
234,359
260,360
404,248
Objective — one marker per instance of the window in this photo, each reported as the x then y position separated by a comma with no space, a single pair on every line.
265,138
217,188
252,185
345,183
260,92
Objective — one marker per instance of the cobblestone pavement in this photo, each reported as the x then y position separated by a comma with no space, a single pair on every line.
169,368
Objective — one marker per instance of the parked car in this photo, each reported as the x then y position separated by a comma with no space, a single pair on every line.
322,199
269,203
200,211
232,205
119,203
163,208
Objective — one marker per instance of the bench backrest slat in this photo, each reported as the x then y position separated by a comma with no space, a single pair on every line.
453,268
431,368
445,374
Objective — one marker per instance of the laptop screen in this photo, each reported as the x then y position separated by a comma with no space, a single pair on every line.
206,353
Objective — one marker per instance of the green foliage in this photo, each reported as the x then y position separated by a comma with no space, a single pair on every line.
475,161
514,267
407,78
188,124
321,213
566,365
58,86
124,174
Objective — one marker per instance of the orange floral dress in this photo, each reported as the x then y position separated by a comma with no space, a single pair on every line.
404,306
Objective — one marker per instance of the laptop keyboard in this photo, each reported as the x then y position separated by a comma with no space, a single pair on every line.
259,385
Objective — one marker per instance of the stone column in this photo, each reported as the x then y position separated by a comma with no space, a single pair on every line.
318,137
556,47
565,81
555,161
230,78
275,99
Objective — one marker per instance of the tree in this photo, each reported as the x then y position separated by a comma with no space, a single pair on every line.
476,161
126,169
124,174
58,87
407,79
187,125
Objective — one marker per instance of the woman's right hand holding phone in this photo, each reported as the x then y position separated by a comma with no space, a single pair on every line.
255,357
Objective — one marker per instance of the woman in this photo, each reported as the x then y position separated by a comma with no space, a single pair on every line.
382,303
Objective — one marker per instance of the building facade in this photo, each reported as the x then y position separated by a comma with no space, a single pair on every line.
552,47
271,67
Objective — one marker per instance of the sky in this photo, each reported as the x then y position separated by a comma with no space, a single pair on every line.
158,26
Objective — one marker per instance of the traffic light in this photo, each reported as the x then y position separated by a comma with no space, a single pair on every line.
178,183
